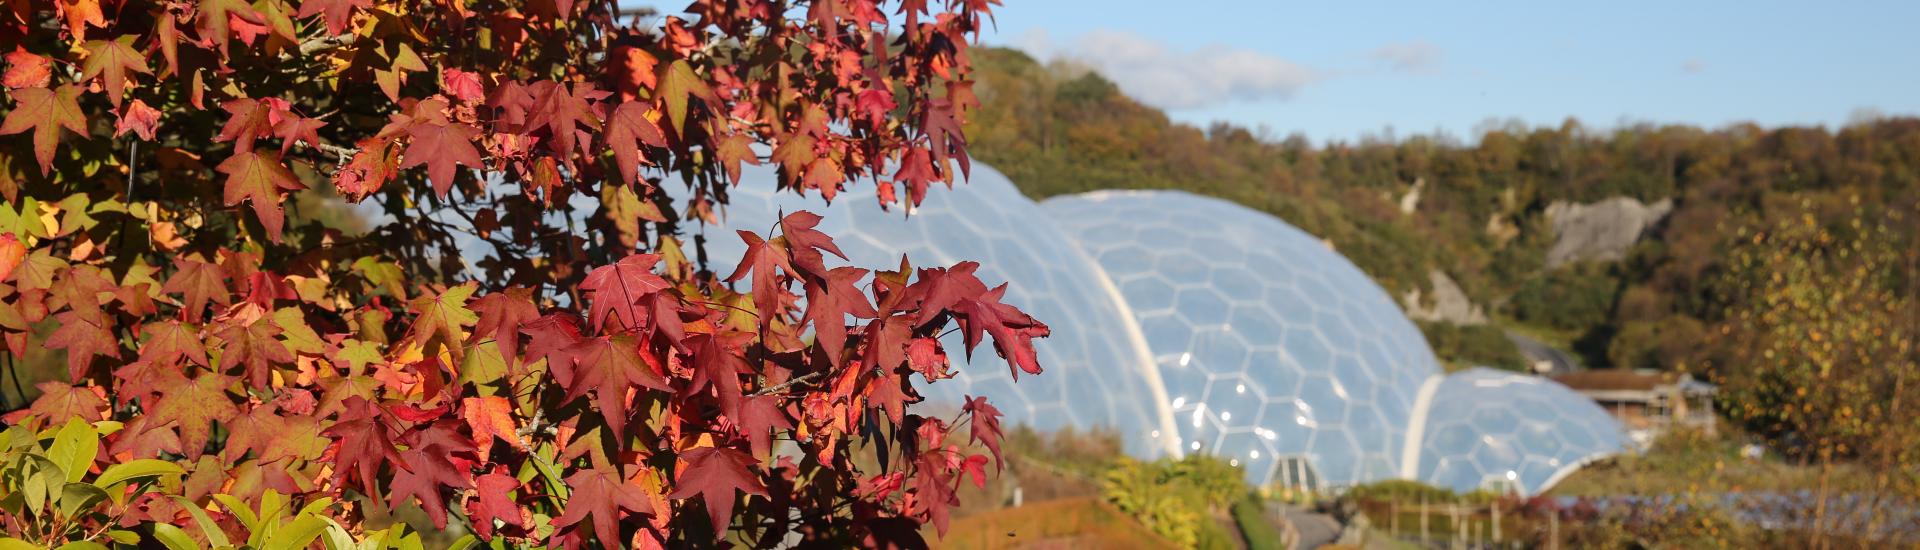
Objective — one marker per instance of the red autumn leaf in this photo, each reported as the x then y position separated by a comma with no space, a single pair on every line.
84,340
717,366
443,148
618,289
493,501
192,406
362,443
438,457
760,416
926,356
463,85
168,342
198,283
61,400
247,120
138,118
985,425
294,128
609,366
715,474
829,302
45,112
501,314
489,417
26,70
12,252
259,178
601,493
254,346
1013,331
761,259
628,129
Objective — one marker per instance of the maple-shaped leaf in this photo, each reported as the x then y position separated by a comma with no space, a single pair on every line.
1013,330
247,120
601,493
551,337
272,436
714,474
192,406
83,340
62,400
81,14
216,16
436,454
442,320
168,342
198,282
362,443
501,315
110,60
618,289
942,289
259,177
489,417
806,243
608,366
254,346
45,112
494,501
26,70
627,129
338,13
761,260
718,366
677,82
560,111
933,491
294,128
760,416
734,150
829,302
443,147
985,425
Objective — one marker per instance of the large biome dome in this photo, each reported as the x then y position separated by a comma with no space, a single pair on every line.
1193,325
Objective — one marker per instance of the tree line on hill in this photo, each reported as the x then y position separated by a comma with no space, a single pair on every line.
1481,216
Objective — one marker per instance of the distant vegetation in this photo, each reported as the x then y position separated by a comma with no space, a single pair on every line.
1480,217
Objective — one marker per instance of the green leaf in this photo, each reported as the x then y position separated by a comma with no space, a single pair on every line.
146,467
74,448
82,545
297,534
11,543
300,337
245,514
124,536
464,542
441,319
208,529
79,497
174,538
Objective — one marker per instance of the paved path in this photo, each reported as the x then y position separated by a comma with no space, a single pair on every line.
1315,529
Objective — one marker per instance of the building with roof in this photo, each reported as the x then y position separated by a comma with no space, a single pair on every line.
1648,402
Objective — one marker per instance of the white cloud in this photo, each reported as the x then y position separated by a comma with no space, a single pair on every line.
1413,57
1156,75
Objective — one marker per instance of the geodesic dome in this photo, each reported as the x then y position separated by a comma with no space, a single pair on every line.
1191,324
1276,352
1500,430
1096,375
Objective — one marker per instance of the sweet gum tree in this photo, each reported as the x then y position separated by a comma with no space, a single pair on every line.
239,374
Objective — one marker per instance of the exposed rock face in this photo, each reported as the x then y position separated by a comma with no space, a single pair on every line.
1450,303
1600,231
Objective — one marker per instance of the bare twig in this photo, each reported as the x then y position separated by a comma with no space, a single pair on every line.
776,388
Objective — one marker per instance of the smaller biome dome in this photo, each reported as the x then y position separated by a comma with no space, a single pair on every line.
1097,372
1504,431
1276,352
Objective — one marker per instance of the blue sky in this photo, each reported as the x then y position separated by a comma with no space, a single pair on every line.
1340,70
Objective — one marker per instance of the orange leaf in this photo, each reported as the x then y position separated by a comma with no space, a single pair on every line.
490,417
